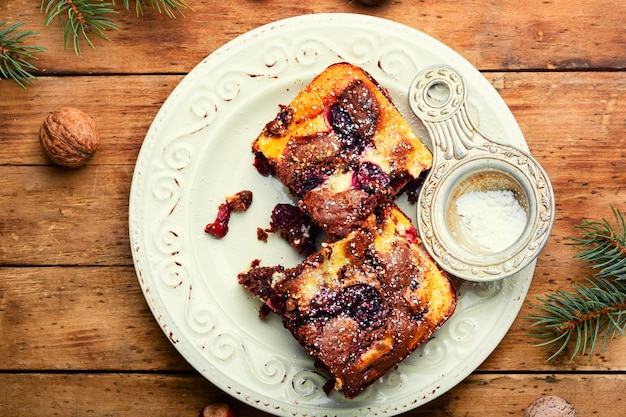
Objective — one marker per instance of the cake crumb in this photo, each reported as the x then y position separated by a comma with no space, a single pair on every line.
238,202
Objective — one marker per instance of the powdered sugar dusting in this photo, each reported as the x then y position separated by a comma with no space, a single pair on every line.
493,220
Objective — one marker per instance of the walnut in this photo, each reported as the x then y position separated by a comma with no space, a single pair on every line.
372,2
550,406
69,137
218,410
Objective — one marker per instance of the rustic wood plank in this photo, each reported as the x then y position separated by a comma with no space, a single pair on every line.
55,216
81,319
492,35
96,319
121,106
510,394
107,395
185,395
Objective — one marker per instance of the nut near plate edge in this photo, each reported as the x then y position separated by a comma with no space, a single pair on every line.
372,2
69,137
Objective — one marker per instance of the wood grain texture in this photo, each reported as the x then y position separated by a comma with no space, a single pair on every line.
55,216
80,319
133,394
78,337
491,34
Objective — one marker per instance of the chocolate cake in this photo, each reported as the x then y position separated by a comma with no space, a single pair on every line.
340,147
360,304
371,295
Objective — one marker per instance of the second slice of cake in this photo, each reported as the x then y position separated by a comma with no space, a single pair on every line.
361,304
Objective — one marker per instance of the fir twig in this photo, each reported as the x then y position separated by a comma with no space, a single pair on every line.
15,56
594,311
591,311
170,7
80,19
603,245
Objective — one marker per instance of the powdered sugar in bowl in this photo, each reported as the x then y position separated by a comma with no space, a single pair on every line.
486,209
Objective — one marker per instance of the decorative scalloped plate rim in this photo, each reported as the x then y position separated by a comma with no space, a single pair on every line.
197,151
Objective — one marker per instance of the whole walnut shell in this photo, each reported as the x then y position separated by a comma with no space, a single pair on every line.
217,410
372,2
69,137
550,406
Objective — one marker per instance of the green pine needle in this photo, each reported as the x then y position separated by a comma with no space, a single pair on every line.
80,19
170,7
603,245
594,311
15,56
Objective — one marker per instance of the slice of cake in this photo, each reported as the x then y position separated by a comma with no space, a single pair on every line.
361,304
340,146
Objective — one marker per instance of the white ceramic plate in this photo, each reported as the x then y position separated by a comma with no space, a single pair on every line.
197,152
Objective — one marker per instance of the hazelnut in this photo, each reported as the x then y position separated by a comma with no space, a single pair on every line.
550,406
69,137
217,410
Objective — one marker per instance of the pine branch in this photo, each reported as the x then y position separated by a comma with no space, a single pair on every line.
14,56
603,245
80,19
594,311
170,7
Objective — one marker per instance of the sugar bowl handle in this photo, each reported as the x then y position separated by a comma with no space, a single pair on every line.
438,97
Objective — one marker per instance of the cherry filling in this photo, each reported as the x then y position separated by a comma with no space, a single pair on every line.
361,302
305,181
371,178
343,125
262,164
295,227
354,117
237,202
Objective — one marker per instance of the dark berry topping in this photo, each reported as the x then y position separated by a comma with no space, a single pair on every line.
325,304
360,302
295,227
415,283
286,216
354,117
413,187
305,181
262,164
371,178
364,304
343,125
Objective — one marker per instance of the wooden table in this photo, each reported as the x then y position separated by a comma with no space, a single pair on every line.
77,335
